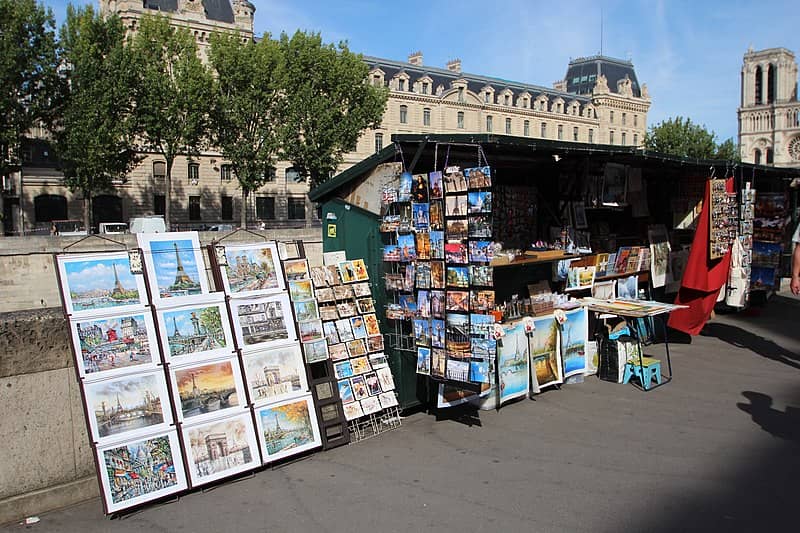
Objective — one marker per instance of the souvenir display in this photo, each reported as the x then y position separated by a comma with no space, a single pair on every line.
724,221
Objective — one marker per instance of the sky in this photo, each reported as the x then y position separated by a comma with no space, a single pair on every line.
688,53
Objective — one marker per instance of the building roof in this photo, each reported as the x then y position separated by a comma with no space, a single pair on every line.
582,74
219,10
475,82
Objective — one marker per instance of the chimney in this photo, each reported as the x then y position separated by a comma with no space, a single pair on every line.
454,65
415,58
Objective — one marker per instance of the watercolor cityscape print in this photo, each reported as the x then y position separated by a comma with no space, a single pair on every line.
123,405
206,388
140,468
573,342
113,343
286,427
252,269
176,269
275,374
194,330
97,284
220,447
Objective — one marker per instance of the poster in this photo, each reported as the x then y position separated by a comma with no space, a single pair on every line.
574,333
546,365
512,363
659,254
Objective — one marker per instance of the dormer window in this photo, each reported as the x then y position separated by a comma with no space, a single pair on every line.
507,99
425,87
461,95
486,97
401,84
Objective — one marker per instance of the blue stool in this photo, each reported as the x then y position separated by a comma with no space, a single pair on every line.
649,369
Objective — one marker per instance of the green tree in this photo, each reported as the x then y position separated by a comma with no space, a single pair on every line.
173,93
248,98
328,104
95,133
728,150
680,136
28,77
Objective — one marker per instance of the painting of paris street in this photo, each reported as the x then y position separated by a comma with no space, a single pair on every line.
287,428
252,269
113,345
221,448
195,331
99,282
140,471
127,404
263,322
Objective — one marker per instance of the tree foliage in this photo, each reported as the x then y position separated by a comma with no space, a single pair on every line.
328,104
248,101
173,93
95,133
681,137
28,75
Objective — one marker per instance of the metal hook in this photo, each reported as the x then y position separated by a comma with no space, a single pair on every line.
713,171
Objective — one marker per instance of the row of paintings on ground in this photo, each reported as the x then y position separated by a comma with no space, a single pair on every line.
532,354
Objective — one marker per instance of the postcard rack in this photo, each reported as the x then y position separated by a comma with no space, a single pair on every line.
375,424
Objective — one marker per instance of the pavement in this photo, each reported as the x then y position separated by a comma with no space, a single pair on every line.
717,449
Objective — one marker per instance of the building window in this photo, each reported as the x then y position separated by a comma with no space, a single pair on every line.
526,128
541,105
610,137
591,135
159,170
611,117
623,138
225,172
227,208
194,208
461,95
624,118
635,120
194,173
507,100
401,84
508,126
426,117
461,120
544,130
265,208
486,97
757,156
376,80
525,103
159,204
770,156
636,139
758,85
425,87
297,208
403,114
560,132
293,175
48,207
575,133
489,123
378,142
770,84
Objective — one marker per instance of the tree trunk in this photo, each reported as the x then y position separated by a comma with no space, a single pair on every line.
243,217
168,194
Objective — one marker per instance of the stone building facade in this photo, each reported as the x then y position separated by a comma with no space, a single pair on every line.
599,101
769,113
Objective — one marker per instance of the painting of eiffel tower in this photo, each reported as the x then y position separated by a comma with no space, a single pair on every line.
176,267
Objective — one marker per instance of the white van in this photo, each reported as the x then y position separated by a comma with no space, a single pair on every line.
112,228
148,224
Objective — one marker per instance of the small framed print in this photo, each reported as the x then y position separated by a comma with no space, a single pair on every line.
194,332
356,347
359,327
360,365
362,289
296,269
329,413
175,266
387,399
352,411
347,271
275,374
263,322
346,308
385,378
365,305
360,390
360,269
344,329
338,352
301,290
457,301
325,294
122,492
288,250
373,385
346,391
343,292
310,331
99,283
378,360
324,390
375,343
343,369
252,269
371,405
306,310
331,334
287,428
328,312
316,351
207,390
220,448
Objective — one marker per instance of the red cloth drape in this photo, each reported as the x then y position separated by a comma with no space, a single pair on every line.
703,278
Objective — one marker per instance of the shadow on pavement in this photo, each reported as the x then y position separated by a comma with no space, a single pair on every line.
466,414
744,339
782,424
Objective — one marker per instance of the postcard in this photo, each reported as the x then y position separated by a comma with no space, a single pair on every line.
457,276
481,275
422,333
457,301
435,183
315,351
423,243
362,289
275,374
454,181
343,369
365,305
404,192
457,370
310,331
378,360
331,334
306,310
207,390
456,252
419,188
373,384
385,379
375,343
437,333
338,352
480,226
423,276
436,213
437,304
287,428
407,247
325,295
478,177
371,405
343,292
437,244
346,308
391,253
263,322
437,275
345,329
328,312
347,272
360,390
482,300
296,269
423,304
346,391
456,205
359,327
301,290
356,347
318,276
423,360
371,323
352,411
456,230
387,400
479,202
421,216
480,251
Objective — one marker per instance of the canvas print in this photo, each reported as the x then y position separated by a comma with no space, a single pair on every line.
407,246
287,428
301,290
457,229
574,333
580,278
360,390
435,183
371,405
194,332
140,471
479,226
455,206
93,284
127,406
404,191
352,411
478,177
480,251
449,396
458,276
346,391
356,347
457,301
115,345
275,374
306,310
437,304
419,188
421,216
219,449
437,244
457,370
311,331
174,264
423,360
454,181
316,351
436,215
545,352
456,252
627,288
512,364
479,202
263,322
207,390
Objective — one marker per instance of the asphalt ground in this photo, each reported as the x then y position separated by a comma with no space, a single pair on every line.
717,449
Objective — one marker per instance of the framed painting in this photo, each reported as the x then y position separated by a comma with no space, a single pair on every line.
128,406
195,332
316,351
306,310
220,448
98,284
115,345
546,367
296,269
512,364
449,396
288,250
263,322
287,428
275,374
252,269
174,265
207,390
574,334
128,473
